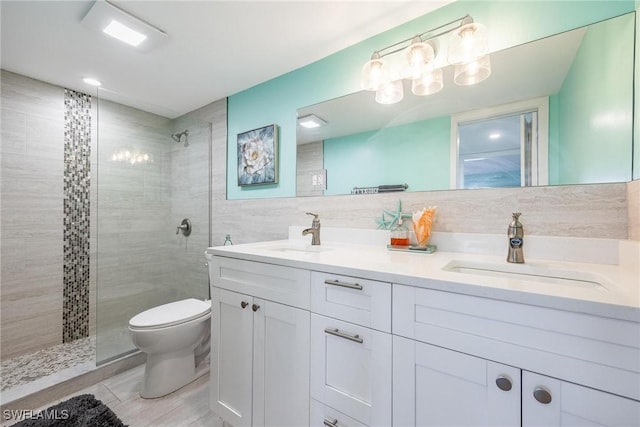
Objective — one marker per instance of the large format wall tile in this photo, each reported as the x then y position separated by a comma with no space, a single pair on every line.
32,215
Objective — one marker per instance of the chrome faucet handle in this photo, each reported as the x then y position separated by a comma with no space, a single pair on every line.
315,216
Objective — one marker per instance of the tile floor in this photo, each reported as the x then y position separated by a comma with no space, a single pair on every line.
187,407
24,369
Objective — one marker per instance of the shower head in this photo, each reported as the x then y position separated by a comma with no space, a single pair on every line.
177,137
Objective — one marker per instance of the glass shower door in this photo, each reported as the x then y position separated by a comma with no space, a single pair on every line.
141,260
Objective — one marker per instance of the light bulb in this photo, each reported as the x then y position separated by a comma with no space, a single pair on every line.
468,43
428,83
418,55
374,73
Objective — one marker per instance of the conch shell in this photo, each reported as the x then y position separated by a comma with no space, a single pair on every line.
422,222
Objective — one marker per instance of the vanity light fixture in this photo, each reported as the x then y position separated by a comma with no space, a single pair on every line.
107,18
468,49
311,121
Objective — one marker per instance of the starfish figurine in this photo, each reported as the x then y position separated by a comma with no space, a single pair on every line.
395,216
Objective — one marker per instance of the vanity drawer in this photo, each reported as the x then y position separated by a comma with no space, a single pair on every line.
352,299
351,369
595,351
324,416
285,285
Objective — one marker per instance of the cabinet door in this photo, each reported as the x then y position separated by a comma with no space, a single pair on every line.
433,386
231,356
550,402
351,370
280,365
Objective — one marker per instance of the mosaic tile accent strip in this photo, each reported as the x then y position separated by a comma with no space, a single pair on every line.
77,157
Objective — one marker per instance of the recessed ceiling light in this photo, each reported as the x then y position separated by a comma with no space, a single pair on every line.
92,81
311,121
124,33
107,18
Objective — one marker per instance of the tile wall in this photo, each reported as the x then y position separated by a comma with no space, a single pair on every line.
32,214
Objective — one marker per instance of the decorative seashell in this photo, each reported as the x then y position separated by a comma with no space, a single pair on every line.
422,223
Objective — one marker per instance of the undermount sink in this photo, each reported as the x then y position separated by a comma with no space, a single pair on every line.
530,273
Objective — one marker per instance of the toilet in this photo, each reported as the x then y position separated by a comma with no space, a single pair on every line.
173,336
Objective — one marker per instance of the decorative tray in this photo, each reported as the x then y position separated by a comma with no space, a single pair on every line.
429,249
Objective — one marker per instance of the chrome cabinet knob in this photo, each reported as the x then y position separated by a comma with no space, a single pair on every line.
255,307
542,395
504,383
244,304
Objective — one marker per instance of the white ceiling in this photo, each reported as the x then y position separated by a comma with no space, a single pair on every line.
214,49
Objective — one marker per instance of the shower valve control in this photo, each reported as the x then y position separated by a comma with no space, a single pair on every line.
185,227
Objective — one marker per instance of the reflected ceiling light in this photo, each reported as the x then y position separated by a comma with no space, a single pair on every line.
495,135
91,81
311,121
107,18
468,52
472,72
428,83
390,93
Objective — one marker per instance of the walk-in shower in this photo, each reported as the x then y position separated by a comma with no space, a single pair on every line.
66,306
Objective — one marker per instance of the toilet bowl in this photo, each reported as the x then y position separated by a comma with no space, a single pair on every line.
171,335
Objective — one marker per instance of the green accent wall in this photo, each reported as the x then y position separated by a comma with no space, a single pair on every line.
510,23
369,155
594,106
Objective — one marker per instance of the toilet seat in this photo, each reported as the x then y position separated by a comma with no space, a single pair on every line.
171,314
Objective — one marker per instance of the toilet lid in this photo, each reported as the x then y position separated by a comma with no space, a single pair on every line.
171,314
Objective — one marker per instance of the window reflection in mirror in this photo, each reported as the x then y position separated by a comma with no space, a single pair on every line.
504,146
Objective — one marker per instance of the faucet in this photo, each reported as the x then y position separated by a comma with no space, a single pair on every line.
314,230
516,240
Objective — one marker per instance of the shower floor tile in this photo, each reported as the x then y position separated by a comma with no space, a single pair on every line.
26,368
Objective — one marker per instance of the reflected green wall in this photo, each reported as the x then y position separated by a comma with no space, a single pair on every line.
594,106
275,101
369,155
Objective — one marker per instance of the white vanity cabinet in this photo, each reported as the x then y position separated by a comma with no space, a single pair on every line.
260,343
465,360
433,386
350,351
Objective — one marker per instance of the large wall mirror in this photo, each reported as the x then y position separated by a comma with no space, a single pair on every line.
555,111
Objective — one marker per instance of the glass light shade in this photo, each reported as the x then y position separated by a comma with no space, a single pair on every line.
428,83
390,93
468,43
418,55
472,72
374,74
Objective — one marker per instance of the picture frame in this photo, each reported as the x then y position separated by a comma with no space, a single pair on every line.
257,154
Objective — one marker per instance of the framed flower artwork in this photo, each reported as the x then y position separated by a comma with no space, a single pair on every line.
258,156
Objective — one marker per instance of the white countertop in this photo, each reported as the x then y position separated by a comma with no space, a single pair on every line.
619,297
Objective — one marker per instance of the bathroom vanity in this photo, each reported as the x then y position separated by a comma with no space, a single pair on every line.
357,335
